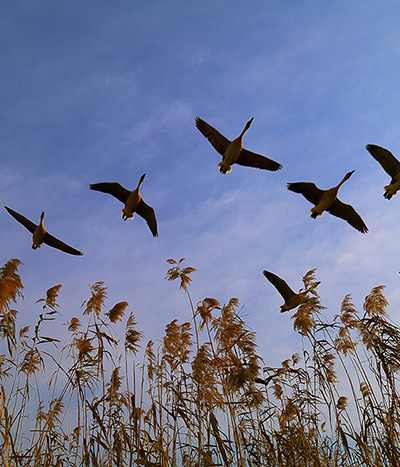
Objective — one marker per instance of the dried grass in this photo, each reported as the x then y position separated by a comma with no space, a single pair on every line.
203,396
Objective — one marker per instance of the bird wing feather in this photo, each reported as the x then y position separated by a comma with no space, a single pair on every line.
349,214
251,159
112,188
309,190
148,214
218,141
22,220
56,243
280,285
387,160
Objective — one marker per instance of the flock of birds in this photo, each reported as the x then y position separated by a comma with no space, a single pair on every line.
232,152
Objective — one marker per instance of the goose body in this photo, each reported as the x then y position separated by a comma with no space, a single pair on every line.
40,234
327,200
390,165
132,200
292,299
232,152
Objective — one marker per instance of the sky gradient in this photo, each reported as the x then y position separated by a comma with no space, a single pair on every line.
99,91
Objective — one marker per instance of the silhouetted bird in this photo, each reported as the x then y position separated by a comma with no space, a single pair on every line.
390,165
40,234
292,299
133,202
326,200
232,152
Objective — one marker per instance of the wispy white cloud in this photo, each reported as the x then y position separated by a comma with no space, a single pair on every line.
120,99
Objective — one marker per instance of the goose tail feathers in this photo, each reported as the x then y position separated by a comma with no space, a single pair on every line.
388,194
224,168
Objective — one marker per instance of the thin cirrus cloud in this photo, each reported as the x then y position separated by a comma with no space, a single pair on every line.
118,98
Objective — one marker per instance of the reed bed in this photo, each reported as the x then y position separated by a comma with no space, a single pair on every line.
203,396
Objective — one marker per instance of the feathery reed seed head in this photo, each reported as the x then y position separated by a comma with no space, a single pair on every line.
74,324
97,300
51,296
132,335
117,312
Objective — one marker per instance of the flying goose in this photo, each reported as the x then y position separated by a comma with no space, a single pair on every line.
292,299
390,165
40,234
232,152
132,200
326,200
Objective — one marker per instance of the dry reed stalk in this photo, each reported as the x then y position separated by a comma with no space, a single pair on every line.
206,405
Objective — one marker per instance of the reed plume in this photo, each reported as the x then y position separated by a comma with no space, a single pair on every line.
202,396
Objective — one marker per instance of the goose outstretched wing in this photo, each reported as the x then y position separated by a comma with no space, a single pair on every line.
218,141
387,160
280,285
56,243
22,220
309,190
251,159
112,188
148,214
349,214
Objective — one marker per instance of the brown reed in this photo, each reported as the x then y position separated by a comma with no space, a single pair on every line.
203,397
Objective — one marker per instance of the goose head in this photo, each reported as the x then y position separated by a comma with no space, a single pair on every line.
248,125
141,180
310,289
347,176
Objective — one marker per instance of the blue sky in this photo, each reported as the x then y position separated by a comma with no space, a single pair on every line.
105,91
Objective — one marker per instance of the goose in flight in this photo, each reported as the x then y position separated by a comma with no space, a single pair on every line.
232,152
133,202
292,299
40,234
390,165
326,200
